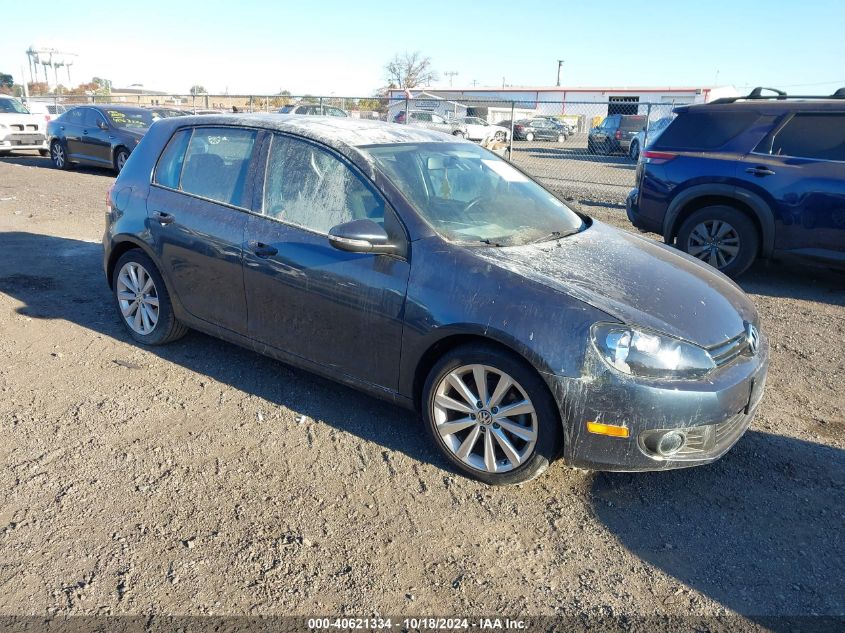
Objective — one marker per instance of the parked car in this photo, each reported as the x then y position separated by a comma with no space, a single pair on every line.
615,134
563,125
540,129
738,179
20,129
100,135
477,129
654,131
312,109
426,270
163,112
433,121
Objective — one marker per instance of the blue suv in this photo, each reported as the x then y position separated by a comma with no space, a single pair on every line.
738,179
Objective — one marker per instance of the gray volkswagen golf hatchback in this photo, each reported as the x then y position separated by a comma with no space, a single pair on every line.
426,270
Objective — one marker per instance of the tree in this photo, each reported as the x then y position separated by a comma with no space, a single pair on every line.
198,90
6,81
103,85
409,70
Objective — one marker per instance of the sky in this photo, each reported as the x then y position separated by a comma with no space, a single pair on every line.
340,47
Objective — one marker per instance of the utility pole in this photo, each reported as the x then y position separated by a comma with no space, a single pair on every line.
474,83
559,67
450,74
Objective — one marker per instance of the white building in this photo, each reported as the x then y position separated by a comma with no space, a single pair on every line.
448,106
580,103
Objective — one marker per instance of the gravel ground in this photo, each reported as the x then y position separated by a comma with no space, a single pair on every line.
201,478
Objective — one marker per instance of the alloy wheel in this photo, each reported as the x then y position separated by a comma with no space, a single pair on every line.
138,298
485,418
715,242
58,155
121,159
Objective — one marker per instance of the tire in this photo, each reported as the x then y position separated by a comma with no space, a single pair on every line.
539,437
44,152
58,154
736,240
591,149
634,151
529,137
459,134
4,153
121,155
167,327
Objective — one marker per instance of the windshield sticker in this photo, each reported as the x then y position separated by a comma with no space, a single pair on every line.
504,170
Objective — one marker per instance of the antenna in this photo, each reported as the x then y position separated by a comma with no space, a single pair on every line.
450,74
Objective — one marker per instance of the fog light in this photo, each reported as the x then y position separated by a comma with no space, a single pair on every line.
663,443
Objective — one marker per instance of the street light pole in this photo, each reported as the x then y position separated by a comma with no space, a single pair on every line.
559,66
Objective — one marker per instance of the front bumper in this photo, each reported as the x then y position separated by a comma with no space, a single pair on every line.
22,141
711,414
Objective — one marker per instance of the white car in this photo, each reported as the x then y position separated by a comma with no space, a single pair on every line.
478,129
19,129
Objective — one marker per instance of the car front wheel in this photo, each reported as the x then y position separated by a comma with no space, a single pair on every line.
58,155
120,158
721,236
143,301
491,415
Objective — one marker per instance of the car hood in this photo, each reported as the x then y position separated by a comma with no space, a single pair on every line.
14,118
636,280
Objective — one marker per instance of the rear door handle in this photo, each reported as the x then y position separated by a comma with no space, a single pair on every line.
760,171
262,250
163,218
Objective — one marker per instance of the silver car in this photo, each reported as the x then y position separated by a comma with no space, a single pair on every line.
433,121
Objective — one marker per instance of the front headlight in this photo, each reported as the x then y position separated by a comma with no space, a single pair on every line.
640,352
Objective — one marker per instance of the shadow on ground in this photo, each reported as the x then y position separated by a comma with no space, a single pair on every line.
34,160
60,278
760,527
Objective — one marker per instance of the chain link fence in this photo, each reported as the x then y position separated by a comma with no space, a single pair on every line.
587,150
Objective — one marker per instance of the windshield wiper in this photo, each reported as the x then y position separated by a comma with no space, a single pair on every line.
489,243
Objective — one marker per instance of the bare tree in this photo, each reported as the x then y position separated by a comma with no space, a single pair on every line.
198,90
409,70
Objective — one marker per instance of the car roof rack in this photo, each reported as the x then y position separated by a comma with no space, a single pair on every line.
780,95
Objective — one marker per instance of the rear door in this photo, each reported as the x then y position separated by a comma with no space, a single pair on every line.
197,216
337,309
70,128
801,165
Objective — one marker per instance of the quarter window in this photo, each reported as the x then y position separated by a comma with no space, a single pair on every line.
311,188
704,130
216,164
820,136
169,167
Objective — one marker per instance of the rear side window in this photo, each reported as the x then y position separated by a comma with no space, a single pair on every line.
169,167
704,130
632,123
820,136
216,164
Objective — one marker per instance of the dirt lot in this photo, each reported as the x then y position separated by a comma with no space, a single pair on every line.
201,478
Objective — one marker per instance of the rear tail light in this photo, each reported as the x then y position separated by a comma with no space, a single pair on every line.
657,158
618,134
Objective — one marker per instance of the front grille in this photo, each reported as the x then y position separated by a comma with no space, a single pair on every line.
723,353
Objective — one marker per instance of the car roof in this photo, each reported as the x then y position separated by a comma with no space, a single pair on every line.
774,106
337,132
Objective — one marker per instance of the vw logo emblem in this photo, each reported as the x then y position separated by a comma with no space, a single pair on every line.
484,417
752,338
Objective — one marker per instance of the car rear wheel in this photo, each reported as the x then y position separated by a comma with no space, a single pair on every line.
529,137
58,155
634,152
143,301
491,415
459,134
120,158
721,236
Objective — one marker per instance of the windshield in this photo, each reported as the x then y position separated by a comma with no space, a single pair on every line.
133,119
12,105
468,194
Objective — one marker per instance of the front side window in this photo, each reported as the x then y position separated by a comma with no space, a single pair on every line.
74,116
216,164
470,195
819,136
311,188
91,118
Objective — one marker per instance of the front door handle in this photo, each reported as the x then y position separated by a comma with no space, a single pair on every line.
760,171
163,218
262,250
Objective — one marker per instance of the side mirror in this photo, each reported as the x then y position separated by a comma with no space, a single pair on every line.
102,125
361,236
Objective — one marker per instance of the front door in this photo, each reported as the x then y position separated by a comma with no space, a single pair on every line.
95,142
800,166
341,310
197,211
